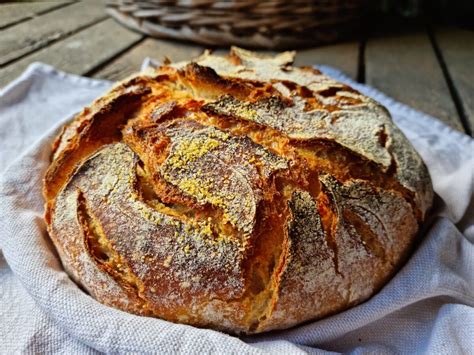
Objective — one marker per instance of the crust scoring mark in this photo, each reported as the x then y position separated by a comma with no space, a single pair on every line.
214,168
383,213
355,129
106,181
103,253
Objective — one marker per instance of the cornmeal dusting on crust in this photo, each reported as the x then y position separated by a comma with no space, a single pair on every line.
221,176
237,193
186,152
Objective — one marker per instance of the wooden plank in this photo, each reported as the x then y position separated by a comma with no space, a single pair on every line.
14,13
79,53
342,56
131,61
405,67
457,50
26,37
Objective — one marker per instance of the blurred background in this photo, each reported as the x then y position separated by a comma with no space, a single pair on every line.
282,24
420,52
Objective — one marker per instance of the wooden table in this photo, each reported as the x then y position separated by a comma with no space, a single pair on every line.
430,68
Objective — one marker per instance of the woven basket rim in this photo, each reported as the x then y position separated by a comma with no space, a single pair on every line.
271,24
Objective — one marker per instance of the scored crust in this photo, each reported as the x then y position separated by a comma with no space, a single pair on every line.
237,193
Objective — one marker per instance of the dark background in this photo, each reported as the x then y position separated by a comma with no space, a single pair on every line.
460,12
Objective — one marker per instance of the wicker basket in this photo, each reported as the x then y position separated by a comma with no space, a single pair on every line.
271,24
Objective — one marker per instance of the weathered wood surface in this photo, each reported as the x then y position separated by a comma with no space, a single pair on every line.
29,36
342,56
405,67
457,50
14,13
79,53
131,61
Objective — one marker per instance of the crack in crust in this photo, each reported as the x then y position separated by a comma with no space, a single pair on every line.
356,130
236,193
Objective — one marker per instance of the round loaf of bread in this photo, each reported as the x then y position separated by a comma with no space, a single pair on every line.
237,193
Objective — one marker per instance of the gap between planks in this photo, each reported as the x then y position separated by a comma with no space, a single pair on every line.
15,13
130,62
24,38
454,48
404,66
79,53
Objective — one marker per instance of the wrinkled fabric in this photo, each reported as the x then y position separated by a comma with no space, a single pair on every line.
426,308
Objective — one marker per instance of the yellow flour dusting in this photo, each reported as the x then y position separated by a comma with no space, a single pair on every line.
186,249
244,111
201,190
190,150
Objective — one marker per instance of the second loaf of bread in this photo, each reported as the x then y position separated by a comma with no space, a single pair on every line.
237,193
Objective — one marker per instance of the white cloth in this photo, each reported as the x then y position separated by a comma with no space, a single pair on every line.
426,308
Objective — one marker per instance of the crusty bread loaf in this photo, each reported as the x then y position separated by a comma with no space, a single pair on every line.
237,193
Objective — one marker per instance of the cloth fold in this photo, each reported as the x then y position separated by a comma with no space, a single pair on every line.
426,308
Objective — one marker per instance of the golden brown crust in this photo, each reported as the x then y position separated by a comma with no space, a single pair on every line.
237,193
